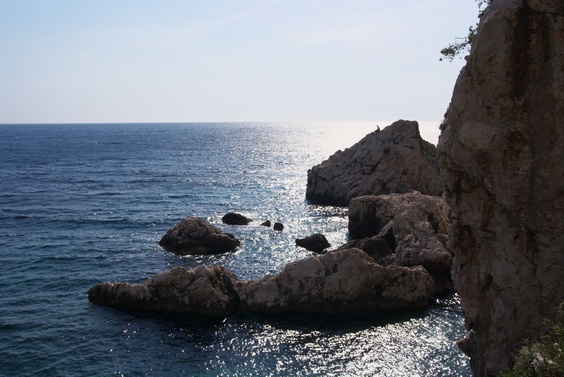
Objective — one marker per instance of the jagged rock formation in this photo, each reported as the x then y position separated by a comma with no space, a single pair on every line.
501,153
342,281
203,290
194,235
393,160
414,226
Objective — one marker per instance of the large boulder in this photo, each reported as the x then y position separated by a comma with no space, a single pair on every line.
194,235
316,242
393,160
340,281
501,153
414,226
203,290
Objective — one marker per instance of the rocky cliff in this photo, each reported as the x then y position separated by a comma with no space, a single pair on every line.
501,154
393,160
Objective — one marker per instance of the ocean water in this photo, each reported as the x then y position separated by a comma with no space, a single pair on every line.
87,203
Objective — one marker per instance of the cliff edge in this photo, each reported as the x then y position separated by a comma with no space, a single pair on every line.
501,155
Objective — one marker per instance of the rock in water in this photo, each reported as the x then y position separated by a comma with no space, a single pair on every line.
232,218
394,160
194,235
501,153
415,227
316,242
341,281
203,290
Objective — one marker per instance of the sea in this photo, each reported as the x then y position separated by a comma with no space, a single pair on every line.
82,204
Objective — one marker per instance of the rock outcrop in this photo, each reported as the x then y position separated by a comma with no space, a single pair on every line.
316,242
393,160
203,290
194,235
341,281
414,226
233,218
501,153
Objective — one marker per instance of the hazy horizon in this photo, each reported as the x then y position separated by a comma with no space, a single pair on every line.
221,61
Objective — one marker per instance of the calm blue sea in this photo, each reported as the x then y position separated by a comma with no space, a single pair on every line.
87,203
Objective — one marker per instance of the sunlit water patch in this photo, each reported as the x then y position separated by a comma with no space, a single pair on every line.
83,204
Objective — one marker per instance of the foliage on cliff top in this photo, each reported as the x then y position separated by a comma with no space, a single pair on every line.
463,44
546,357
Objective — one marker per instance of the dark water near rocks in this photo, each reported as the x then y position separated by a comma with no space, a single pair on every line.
83,204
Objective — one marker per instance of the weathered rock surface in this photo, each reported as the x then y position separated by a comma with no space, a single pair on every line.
194,235
341,281
393,160
414,226
233,218
376,247
501,153
316,243
203,290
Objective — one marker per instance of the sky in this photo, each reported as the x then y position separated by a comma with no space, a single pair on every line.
78,61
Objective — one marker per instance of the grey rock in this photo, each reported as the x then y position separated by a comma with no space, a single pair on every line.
501,153
340,281
316,242
413,225
203,290
393,160
194,235
232,218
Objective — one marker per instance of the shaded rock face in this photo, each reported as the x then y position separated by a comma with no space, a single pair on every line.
203,290
341,281
194,235
394,160
376,247
413,225
316,242
501,153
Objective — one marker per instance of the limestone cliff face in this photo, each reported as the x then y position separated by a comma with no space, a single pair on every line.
501,153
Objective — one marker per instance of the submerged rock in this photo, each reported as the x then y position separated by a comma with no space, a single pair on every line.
394,160
501,153
232,218
203,290
316,242
413,225
337,282
194,235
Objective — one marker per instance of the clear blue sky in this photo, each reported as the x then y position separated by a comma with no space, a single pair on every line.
227,60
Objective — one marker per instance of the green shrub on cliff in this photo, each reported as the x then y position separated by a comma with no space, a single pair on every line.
546,357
